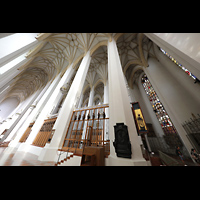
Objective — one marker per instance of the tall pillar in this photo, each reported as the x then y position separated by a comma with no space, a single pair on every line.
49,152
11,131
80,101
53,91
26,146
91,97
15,45
120,110
39,102
130,91
106,101
57,103
172,96
90,103
182,46
186,82
106,93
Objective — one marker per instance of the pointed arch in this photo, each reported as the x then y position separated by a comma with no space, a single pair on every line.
77,60
97,83
135,69
97,96
117,36
85,88
86,101
140,47
102,43
131,62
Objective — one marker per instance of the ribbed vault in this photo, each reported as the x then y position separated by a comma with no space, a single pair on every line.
55,52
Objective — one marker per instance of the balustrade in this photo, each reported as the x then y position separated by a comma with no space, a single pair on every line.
26,133
192,127
45,133
88,127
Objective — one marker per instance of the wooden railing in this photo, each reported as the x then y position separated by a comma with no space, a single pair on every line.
45,133
26,133
88,127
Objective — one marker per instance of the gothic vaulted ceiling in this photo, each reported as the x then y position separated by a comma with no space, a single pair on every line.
55,52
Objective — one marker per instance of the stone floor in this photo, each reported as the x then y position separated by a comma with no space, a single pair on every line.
19,158
187,161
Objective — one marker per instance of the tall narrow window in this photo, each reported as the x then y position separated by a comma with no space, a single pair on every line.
161,114
180,65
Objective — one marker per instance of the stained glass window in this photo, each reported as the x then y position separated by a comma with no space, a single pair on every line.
157,106
171,136
180,65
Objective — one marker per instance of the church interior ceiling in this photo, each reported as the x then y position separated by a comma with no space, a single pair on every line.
55,52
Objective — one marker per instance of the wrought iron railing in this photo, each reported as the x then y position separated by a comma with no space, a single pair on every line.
192,127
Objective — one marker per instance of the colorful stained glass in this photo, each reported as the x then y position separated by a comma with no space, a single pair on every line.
177,63
158,107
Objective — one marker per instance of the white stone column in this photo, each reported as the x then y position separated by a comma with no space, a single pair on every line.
192,90
39,121
55,89
120,110
106,101
182,46
49,152
130,91
172,96
90,103
7,122
15,126
91,97
106,93
16,44
39,102
80,101
56,104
